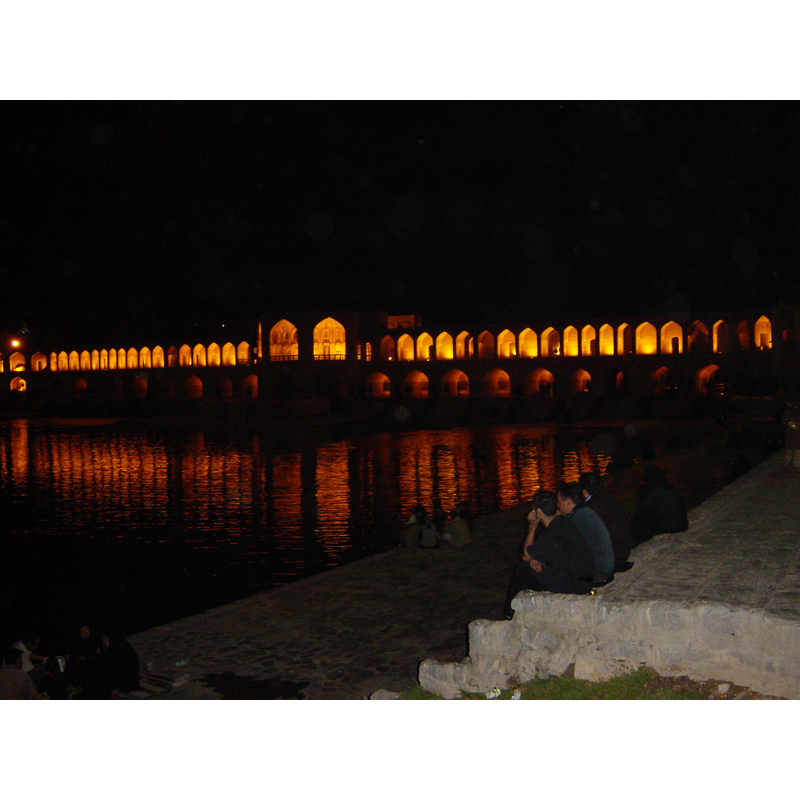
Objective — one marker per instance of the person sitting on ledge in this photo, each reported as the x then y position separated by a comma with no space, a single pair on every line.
604,505
14,683
555,556
659,507
592,528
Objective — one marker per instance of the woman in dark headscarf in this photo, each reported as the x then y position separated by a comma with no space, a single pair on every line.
659,507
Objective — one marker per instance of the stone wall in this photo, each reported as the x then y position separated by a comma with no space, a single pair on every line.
605,637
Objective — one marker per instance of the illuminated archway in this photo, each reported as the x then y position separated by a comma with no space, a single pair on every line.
721,343
464,346
228,355
485,345
550,342
424,344
624,340
540,381
606,340
86,361
54,362
158,357
185,356
405,348
416,384
243,353
74,361
214,355
387,348
706,381
121,360
379,385
444,347
63,362
528,344
18,385
743,334
132,358
456,384
173,357
588,341
329,340
104,359
581,381
506,345
570,341
671,338
139,388
762,333
497,383
199,356
659,381
646,339
38,362
112,358
193,388
250,387
697,337
283,341
95,360
368,352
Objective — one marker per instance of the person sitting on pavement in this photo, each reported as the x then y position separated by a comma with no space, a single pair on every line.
555,556
604,505
14,683
659,507
120,662
456,530
791,433
592,528
32,662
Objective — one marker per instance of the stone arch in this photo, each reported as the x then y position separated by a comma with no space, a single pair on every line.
243,353
283,344
497,383
506,345
250,387
424,344
707,380
112,358
456,383
570,341
387,348
624,340
379,385
193,388
225,388
444,347
199,356
38,362
465,346
646,339
368,352
132,357
762,333
581,381
18,385
139,388
405,348
85,361
104,359
528,344
697,337
606,344
588,341
485,345
158,357
743,334
63,362
550,342
416,384
721,342
329,340
173,357
228,355
671,338
122,361
74,361
659,381
95,360
54,362
79,388
214,355
540,381
185,356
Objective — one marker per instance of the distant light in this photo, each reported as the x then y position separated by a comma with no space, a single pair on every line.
14,343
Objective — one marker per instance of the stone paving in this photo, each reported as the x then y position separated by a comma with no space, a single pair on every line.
366,626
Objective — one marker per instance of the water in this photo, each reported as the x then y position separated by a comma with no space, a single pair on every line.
142,525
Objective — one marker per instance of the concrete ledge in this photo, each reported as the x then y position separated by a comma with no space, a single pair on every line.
604,637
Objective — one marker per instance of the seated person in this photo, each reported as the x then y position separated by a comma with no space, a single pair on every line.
604,505
120,663
592,528
555,557
659,507
14,683
32,662
456,530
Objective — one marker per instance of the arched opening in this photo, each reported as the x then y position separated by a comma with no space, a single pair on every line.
659,382
624,340
405,348
424,344
646,339
455,384
464,346
74,361
121,359
199,355
743,334
243,353
387,348
18,385
79,388
214,355
671,338
133,358
63,362
540,382
416,384
721,343
528,344
158,357
581,381
368,352
329,340
497,384
193,388
606,340
225,389
95,360
173,357
710,381
697,338
506,345
485,345
86,361
139,388
53,362
588,341
762,333
444,347
38,362
250,387
104,359
228,355
185,356
379,385
570,341
551,342
619,381
283,341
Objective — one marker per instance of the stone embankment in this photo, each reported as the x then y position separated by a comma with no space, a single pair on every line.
720,601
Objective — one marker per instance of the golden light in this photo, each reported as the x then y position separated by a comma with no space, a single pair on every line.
14,343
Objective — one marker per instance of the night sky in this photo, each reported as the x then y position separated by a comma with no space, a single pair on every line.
147,218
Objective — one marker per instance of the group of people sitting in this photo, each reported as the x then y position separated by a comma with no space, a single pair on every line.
579,537
439,528
98,668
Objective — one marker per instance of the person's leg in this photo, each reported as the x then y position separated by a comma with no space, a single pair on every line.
523,577
554,580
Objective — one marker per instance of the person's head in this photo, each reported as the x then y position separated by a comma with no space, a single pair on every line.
84,632
13,657
590,483
570,496
544,505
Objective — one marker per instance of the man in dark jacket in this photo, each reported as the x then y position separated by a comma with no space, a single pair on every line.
559,559
659,507
604,505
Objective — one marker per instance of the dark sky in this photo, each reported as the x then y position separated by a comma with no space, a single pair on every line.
148,217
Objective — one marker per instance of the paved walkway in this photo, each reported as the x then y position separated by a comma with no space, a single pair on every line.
366,626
